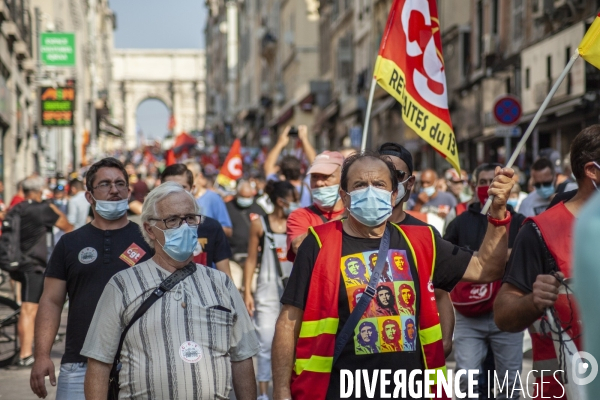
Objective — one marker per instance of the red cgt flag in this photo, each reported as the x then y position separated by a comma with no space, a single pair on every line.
231,170
410,67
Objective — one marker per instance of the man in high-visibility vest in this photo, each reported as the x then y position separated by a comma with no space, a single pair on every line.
540,260
317,301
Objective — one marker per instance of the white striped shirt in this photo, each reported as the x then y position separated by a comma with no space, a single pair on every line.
172,352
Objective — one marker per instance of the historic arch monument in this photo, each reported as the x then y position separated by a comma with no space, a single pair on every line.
176,77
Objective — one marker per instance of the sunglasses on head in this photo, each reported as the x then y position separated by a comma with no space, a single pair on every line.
401,175
540,184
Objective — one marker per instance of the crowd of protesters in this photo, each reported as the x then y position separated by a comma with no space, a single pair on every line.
253,270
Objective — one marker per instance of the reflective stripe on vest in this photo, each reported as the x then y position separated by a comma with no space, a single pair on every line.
315,346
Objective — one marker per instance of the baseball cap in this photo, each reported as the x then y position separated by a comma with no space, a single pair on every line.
326,163
396,150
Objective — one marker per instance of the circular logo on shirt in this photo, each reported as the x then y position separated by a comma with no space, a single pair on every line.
88,255
190,352
430,286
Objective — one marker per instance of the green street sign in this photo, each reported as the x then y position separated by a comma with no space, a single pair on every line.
57,49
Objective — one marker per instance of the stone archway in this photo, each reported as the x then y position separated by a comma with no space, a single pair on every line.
175,77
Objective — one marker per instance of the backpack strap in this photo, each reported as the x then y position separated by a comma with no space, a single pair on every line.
315,210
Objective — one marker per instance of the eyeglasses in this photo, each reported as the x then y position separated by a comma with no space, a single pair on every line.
400,175
176,221
540,184
104,187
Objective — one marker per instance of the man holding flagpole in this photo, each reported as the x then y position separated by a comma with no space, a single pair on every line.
539,263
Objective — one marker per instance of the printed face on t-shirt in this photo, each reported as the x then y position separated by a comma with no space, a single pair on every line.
393,304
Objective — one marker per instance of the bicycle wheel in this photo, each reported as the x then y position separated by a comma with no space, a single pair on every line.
9,338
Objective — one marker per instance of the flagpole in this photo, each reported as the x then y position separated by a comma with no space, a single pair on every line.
534,122
368,115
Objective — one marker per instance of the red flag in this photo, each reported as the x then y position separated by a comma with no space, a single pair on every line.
410,67
231,170
172,122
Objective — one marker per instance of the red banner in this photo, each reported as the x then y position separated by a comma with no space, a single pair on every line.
410,67
232,168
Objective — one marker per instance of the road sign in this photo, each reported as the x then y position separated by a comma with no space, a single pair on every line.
508,131
57,49
507,110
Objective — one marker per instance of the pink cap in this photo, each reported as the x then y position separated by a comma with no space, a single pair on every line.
326,163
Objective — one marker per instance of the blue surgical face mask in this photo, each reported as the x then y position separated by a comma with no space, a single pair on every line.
513,202
326,196
545,191
293,206
429,190
180,242
111,210
244,202
371,206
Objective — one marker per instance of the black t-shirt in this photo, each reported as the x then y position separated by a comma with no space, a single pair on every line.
526,260
241,219
37,220
469,228
371,347
214,243
86,259
410,220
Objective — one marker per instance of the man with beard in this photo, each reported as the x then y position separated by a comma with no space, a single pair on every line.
392,339
385,302
407,299
366,339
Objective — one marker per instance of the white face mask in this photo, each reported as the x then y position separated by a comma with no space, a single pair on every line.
111,210
401,192
429,191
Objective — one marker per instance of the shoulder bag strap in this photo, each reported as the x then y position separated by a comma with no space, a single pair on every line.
365,299
549,258
164,287
269,233
316,210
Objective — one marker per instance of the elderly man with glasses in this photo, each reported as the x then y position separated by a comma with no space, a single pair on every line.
195,340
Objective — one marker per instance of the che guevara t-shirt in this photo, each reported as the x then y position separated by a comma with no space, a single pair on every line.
386,336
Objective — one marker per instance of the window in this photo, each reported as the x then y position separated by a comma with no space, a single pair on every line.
526,78
494,16
549,68
479,32
517,19
567,58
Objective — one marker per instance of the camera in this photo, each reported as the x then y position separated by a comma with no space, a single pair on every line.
293,131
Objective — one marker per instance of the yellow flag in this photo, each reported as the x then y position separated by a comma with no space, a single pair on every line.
589,48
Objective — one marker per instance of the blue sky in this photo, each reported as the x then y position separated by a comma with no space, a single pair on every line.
149,24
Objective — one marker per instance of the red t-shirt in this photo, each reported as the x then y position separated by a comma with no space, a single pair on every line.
300,220
16,200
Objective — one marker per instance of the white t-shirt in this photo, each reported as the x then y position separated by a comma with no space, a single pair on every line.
533,205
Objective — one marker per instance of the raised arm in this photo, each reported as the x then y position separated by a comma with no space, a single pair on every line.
488,264
287,331
309,150
270,165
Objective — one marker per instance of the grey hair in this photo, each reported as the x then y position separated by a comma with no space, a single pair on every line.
157,195
34,184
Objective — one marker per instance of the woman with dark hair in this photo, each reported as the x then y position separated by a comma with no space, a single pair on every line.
269,234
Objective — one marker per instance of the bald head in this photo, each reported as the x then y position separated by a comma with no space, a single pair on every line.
428,178
244,189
